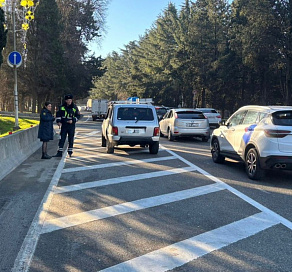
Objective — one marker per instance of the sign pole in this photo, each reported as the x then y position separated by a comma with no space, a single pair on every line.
16,127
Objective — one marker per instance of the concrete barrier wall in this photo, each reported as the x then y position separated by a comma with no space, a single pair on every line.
16,148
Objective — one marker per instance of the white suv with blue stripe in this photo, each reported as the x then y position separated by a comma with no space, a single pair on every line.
260,136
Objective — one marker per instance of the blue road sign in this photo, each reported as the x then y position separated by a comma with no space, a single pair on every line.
14,58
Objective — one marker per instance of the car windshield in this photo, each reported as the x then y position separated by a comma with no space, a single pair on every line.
282,118
135,114
190,115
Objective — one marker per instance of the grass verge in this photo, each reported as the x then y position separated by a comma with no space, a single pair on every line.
7,124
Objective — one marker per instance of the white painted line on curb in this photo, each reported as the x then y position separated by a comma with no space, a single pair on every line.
98,166
180,253
127,207
98,183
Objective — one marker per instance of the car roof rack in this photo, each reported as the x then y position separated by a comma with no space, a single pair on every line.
136,101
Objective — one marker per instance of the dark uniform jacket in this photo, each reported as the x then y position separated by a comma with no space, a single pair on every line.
66,113
46,130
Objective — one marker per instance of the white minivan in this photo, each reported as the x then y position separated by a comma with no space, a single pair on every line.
260,136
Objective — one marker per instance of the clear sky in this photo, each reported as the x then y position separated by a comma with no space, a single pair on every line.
126,20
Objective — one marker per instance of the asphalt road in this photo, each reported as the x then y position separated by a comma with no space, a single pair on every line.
133,211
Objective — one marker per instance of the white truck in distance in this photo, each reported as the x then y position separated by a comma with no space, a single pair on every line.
99,108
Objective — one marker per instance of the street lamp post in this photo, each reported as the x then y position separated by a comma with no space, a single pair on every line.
16,127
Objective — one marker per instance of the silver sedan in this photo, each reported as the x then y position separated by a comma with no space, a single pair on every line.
185,122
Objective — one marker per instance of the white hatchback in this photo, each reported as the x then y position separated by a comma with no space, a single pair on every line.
213,116
260,136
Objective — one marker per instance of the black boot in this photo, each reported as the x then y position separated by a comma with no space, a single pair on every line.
70,153
59,154
46,156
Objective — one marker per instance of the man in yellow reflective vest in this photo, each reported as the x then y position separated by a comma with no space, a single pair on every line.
66,117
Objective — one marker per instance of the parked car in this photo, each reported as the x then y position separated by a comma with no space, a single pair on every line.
260,136
131,124
185,122
160,110
213,116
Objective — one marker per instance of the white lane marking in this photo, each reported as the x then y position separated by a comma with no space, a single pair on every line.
87,148
98,183
91,134
98,166
244,197
88,118
178,254
28,247
127,207
90,143
118,152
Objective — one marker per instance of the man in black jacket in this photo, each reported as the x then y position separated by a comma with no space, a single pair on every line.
66,117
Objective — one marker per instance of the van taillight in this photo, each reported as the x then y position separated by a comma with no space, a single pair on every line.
156,131
175,115
218,116
275,133
115,130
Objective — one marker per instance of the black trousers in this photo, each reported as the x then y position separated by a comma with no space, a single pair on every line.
68,129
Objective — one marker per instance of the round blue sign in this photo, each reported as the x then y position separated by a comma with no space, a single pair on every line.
14,58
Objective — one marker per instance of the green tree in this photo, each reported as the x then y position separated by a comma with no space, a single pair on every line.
3,34
45,62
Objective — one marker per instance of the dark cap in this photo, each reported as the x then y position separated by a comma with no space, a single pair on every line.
68,96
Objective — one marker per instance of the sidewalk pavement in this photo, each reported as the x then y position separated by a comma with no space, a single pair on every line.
21,193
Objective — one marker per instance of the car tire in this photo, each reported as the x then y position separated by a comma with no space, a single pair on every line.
109,147
103,141
215,151
170,136
154,147
205,139
252,165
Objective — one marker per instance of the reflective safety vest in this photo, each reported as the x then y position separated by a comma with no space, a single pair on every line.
67,114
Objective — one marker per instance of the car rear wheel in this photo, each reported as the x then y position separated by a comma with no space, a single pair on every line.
170,136
109,147
154,147
252,165
103,141
215,151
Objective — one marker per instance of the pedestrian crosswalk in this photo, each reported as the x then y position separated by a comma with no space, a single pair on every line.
98,201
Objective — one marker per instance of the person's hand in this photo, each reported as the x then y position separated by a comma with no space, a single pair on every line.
59,124
70,121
